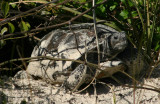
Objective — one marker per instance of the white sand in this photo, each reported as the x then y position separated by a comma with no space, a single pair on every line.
39,92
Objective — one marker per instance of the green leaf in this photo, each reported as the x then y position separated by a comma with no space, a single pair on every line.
102,8
134,13
23,26
157,46
82,1
98,1
127,2
124,14
130,3
5,29
28,25
13,5
5,8
141,2
112,7
129,21
33,4
11,27
123,1
158,29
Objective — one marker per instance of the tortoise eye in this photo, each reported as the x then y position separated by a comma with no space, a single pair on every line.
115,37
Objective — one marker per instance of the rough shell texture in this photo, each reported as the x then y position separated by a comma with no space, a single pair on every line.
78,42
75,42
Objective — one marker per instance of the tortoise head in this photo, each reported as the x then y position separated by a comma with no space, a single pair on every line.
117,42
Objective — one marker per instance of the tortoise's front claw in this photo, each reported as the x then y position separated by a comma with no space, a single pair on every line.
76,78
110,67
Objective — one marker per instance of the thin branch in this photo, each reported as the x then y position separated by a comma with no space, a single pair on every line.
23,62
137,82
76,41
95,31
48,58
141,87
98,51
132,86
25,13
52,26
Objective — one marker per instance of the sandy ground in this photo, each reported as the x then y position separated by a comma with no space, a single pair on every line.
14,91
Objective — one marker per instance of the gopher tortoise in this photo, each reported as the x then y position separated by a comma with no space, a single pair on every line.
78,42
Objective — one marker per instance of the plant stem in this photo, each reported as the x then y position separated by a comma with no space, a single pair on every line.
148,29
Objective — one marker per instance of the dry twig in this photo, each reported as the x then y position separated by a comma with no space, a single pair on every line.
48,27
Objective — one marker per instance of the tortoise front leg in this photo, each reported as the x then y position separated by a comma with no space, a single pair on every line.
108,68
83,74
76,78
